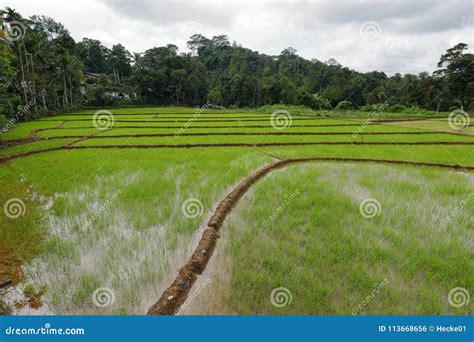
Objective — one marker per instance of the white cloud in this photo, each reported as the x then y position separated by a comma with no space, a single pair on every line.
412,37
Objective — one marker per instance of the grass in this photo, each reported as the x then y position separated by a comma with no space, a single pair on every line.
270,139
139,238
435,125
20,235
24,129
143,130
38,145
463,155
112,218
331,257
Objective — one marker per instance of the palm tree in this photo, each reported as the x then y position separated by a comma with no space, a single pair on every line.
136,57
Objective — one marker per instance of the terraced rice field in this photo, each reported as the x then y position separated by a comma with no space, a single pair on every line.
191,211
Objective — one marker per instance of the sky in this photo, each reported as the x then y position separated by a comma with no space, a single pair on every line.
406,36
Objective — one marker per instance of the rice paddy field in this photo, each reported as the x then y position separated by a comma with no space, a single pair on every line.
107,212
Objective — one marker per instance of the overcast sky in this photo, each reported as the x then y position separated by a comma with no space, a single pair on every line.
391,36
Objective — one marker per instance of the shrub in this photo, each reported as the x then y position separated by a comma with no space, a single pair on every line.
308,101
413,110
289,108
396,108
344,105
215,97
366,108
3,121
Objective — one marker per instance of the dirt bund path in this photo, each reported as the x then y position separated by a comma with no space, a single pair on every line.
176,294
149,135
183,116
66,146
424,118
17,142
71,146
189,120
178,128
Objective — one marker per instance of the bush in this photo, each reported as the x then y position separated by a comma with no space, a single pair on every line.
372,108
396,108
3,121
308,101
366,108
413,110
344,105
215,97
289,108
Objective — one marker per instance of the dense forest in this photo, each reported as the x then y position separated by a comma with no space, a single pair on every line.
43,71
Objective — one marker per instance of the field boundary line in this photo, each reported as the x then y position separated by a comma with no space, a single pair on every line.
14,142
176,294
72,146
196,121
198,127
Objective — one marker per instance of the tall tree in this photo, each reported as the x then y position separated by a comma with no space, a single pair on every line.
458,67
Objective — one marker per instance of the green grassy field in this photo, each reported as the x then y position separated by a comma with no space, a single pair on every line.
310,238
116,217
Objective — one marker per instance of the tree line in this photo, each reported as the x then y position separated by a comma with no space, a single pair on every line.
43,71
